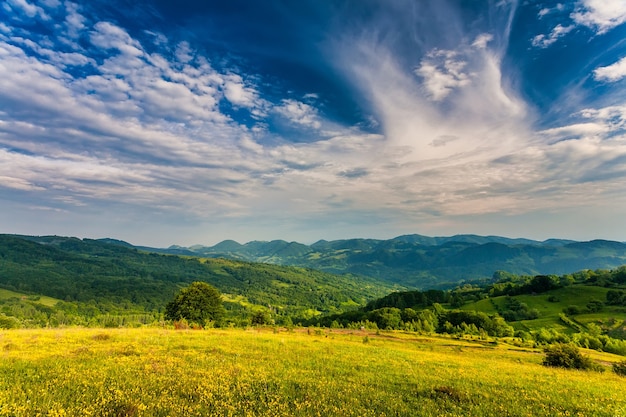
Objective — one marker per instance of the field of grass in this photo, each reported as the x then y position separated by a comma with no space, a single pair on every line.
41,299
162,372
549,311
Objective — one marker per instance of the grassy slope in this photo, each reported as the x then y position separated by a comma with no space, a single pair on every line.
578,295
43,300
157,372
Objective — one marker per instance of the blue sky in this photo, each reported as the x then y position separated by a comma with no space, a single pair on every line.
188,122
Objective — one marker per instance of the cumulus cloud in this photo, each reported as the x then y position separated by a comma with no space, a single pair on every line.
30,10
109,36
611,73
600,15
184,52
547,10
74,20
239,94
299,113
557,33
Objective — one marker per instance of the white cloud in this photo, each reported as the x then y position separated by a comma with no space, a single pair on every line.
557,33
547,10
109,36
184,52
28,9
611,73
482,40
238,93
612,117
18,184
74,20
443,72
600,15
62,59
299,113
138,129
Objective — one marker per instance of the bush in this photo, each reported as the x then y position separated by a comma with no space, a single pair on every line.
595,306
572,310
8,322
620,368
566,356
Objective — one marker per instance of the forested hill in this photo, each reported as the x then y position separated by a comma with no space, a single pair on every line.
427,262
111,276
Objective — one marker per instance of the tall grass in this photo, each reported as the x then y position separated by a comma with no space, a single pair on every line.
159,372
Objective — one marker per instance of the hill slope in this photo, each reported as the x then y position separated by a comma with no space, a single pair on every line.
111,275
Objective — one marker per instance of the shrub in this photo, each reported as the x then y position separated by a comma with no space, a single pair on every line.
8,322
620,368
572,310
566,356
595,306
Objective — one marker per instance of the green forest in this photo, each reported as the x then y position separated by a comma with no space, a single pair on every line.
91,282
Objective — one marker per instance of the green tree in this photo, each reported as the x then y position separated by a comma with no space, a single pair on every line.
198,303
260,318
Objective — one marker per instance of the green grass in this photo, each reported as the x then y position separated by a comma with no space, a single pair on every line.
486,306
40,299
549,311
159,372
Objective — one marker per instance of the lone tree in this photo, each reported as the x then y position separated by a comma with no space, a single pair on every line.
198,303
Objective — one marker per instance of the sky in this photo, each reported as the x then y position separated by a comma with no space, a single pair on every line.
191,122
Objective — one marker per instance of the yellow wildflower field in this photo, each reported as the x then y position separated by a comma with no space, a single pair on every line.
165,372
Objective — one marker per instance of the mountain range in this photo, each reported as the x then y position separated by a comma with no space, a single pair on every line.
421,261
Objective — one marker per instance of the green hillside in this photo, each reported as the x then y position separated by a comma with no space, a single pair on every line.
551,305
587,308
42,300
94,277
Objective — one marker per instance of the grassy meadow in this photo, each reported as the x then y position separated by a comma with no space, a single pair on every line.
549,311
305,372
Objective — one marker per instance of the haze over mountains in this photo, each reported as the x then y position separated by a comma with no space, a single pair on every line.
422,261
